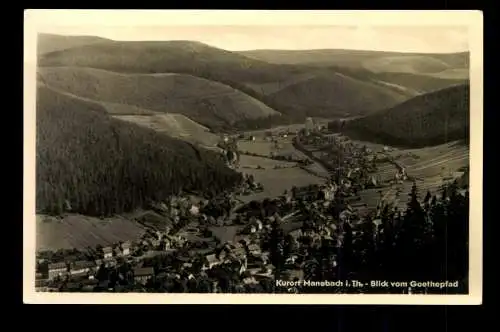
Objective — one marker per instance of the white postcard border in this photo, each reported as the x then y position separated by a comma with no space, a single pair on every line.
35,19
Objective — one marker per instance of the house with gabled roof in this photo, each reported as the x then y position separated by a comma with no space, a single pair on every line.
211,261
108,252
254,249
143,274
57,270
81,267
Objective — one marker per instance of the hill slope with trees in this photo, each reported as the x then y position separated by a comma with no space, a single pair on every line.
336,94
90,163
429,119
210,103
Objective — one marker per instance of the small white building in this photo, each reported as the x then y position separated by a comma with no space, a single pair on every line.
80,267
126,248
309,124
211,261
195,210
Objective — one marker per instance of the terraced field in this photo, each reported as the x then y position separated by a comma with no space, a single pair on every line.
175,125
77,231
432,167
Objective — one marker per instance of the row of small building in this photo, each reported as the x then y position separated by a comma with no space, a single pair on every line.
80,268
82,273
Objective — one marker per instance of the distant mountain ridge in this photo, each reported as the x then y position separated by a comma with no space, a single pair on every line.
267,82
270,92
377,61
48,43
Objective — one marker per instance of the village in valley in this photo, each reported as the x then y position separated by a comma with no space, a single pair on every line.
247,238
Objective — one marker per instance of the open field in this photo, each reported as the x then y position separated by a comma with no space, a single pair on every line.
275,181
251,162
78,231
282,147
259,146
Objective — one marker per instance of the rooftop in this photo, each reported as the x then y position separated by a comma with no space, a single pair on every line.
82,264
211,258
56,266
79,275
143,271
238,252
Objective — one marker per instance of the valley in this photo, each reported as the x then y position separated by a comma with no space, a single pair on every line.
191,160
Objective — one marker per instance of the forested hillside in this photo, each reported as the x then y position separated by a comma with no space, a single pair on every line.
430,119
92,164
335,95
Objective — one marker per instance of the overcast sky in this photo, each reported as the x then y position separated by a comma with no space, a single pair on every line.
236,38
404,31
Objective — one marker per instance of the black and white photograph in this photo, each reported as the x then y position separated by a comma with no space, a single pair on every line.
176,153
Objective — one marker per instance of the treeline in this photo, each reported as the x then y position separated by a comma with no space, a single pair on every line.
92,164
434,118
430,241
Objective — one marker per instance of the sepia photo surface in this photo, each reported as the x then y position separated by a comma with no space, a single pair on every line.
253,157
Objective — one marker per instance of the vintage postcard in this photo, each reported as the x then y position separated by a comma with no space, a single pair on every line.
253,157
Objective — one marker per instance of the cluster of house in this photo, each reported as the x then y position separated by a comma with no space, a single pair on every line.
88,268
325,192
248,256
246,253
81,275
